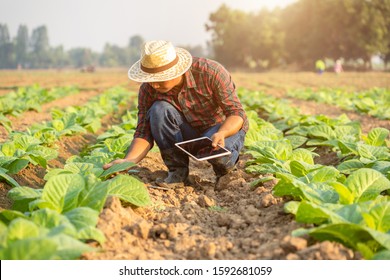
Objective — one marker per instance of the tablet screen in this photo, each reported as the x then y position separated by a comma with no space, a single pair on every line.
201,149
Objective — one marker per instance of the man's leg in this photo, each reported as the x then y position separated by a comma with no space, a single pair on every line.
234,143
168,127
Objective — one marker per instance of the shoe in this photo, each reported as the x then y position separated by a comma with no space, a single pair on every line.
176,178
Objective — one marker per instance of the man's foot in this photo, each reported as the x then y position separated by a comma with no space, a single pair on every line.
177,178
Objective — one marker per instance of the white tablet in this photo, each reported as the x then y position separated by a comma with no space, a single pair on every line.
201,149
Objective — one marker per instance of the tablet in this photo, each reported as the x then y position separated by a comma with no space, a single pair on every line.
201,149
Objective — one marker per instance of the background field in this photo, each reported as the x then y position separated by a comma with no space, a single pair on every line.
228,221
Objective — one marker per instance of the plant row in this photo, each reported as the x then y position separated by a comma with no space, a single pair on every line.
29,98
37,145
347,203
374,102
56,222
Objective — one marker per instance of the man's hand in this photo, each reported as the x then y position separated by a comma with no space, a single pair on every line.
117,161
218,138
230,126
138,149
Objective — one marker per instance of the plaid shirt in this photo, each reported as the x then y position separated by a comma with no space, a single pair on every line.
206,98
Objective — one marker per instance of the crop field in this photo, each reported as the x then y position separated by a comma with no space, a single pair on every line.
312,183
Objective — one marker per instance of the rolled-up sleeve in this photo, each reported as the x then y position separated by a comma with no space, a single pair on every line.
143,126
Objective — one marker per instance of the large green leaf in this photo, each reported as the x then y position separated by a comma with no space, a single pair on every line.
303,155
8,179
351,236
21,228
322,132
366,184
6,215
49,219
17,165
91,233
82,217
69,248
62,191
377,136
349,166
377,215
94,194
30,249
130,189
83,169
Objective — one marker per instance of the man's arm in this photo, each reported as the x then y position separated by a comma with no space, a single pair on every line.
138,149
230,126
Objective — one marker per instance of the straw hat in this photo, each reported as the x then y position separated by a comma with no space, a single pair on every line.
160,61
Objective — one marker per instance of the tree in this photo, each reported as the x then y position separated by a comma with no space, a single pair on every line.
134,48
7,55
266,39
230,40
21,47
40,49
80,57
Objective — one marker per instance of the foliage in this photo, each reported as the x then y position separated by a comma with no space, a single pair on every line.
301,33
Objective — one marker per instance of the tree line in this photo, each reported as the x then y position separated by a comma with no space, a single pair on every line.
301,33
34,52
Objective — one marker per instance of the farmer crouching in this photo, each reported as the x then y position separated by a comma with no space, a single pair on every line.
183,97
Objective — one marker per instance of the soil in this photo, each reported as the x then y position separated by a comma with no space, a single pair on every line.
204,219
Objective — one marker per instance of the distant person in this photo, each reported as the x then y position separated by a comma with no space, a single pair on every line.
183,97
338,67
320,66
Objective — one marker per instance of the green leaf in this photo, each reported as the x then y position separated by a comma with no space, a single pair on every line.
303,155
8,149
29,249
129,189
21,193
82,217
83,169
377,136
94,194
117,168
62,191
296,140
366,184
262,180
50,219
17,165
312,213
6,216
350,235
382,255
377,215
349,166
8,179
345,195
91,233
291,207
22,196
322,132
21,228
69,248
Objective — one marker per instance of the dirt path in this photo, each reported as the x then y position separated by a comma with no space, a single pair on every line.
206,221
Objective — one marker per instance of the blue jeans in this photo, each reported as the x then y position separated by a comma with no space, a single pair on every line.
169,126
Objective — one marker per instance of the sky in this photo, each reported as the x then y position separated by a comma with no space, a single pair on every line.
93,23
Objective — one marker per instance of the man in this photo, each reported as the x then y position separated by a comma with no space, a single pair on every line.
183,97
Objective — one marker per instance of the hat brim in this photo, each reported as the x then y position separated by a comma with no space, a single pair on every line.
135,72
